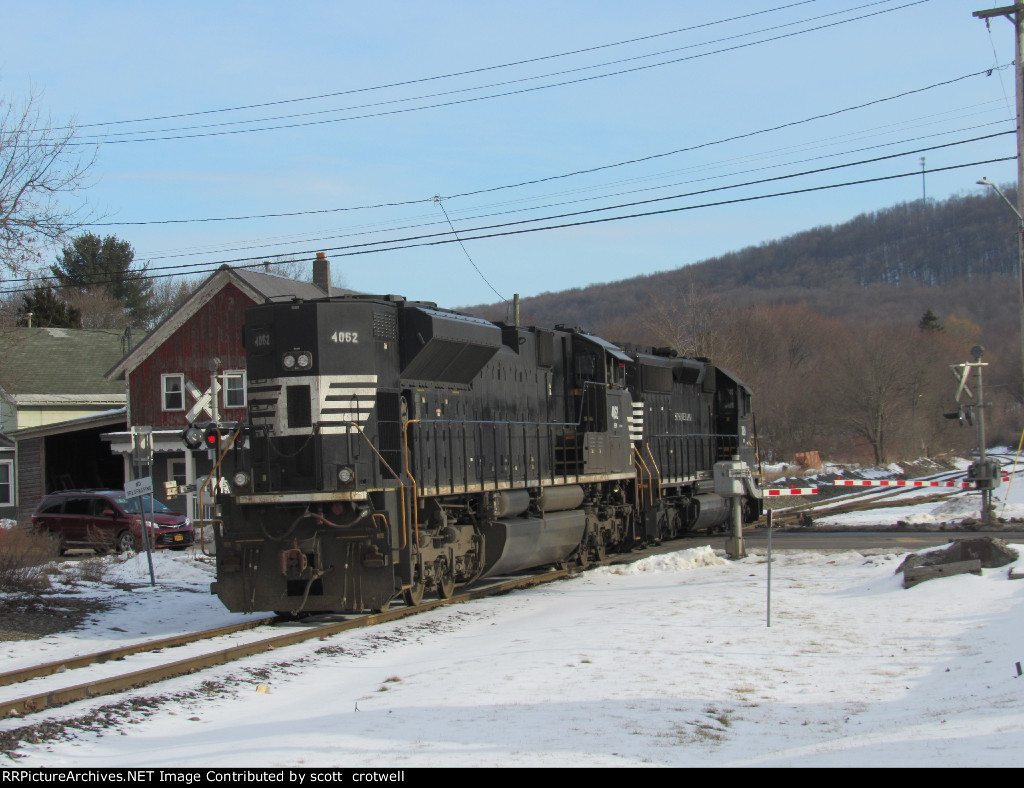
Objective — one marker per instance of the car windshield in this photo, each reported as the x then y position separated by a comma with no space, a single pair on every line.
151,504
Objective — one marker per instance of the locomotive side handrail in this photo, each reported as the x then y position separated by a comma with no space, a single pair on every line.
650,477
654,462
401,486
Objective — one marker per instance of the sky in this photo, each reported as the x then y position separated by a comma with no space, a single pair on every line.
672,661
518,116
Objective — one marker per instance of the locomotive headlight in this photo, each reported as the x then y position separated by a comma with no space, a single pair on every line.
241,479
304,360
346,475
288,361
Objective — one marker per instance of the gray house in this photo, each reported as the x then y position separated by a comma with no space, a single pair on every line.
54,404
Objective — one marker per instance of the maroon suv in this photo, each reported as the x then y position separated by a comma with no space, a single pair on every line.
107,520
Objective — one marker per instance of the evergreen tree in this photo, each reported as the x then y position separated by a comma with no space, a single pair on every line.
89,261
929,322
43,309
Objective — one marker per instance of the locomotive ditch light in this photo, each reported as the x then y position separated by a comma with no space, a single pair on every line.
304,360
346,475
288,362
241,479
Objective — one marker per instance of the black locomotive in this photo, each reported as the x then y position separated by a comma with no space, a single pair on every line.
395,448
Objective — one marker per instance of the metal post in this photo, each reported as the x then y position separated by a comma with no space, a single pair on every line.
1015,13
986,493
768,515
142,450
729,482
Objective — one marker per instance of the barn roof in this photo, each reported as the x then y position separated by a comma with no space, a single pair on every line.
260,286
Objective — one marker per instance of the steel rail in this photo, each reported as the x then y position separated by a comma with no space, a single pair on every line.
72,663
92,689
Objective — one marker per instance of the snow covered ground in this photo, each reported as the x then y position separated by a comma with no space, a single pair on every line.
667,662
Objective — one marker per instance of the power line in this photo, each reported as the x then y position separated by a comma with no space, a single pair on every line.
467,72
104,139
434,240
506,82
634,191
759,156
440,204
574,173
913,173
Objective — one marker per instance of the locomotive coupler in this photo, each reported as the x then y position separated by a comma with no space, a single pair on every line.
293,561
374,558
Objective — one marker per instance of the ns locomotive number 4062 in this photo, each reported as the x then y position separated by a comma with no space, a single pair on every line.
394,448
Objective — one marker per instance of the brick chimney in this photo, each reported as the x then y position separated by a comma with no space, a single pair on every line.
322,272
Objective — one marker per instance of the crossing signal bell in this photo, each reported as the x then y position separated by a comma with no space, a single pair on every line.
193,438
963,415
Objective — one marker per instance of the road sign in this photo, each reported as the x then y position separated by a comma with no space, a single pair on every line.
139,487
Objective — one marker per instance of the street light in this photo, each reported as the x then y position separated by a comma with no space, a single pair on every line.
1020,267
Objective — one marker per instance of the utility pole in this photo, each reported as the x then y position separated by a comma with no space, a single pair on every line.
1015,13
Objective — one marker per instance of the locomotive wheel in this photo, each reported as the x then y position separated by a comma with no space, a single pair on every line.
600,553
413,595
583,558
383,608
446,586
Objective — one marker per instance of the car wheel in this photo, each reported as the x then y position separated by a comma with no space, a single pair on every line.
125,542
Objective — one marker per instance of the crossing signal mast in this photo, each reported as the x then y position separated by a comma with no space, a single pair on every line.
985,473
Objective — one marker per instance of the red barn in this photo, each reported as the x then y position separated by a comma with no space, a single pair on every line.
171,376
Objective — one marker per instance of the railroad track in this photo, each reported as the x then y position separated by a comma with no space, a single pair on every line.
65,689
859,502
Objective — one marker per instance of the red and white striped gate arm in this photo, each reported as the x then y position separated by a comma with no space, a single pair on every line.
902,483
869,483
793,491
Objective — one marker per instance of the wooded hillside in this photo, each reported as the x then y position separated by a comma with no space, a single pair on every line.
826,325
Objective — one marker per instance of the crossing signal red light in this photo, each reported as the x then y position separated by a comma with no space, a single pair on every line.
212,437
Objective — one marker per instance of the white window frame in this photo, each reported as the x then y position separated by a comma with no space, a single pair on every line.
10,483
164,379
233,375
181,475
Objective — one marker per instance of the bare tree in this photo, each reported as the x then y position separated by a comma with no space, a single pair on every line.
168,294
683,319
99,309
41,169
782,352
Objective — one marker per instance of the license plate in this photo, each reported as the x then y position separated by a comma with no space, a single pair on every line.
178,538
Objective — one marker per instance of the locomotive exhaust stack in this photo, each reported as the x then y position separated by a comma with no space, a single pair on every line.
395,449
